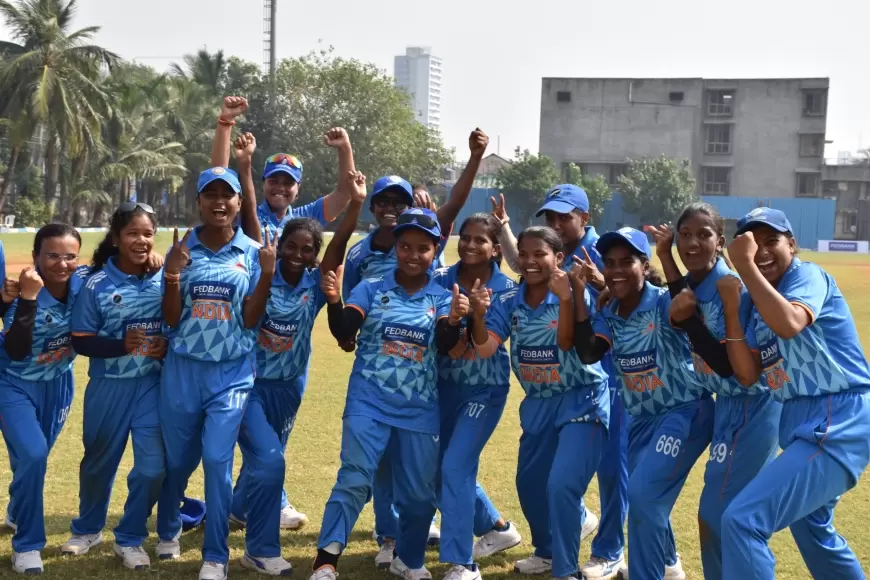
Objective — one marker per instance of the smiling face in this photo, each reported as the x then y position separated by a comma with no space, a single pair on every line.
387,206
136,240
415,251
218,204
624,272
57,259
281,191
775,253
298,252
699,242
570,226
537,260
475,245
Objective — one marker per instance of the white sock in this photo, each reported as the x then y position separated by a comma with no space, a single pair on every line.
333,548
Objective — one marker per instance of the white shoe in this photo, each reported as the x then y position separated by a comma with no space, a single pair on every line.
277,566
386,555
8,523
601,569
565,578
462,573
590,524
533,565
434,535
324,573
674,572
212,571
398,568
494,541
169,550
291,519
27,562
134,558
81,545
417,574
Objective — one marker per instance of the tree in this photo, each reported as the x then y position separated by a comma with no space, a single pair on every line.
656,189
596,188
526,181
203,68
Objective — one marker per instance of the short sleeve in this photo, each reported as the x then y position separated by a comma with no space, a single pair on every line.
601,328
663,306
316,210
361,297
806,286
444,304
498,315
256,271
86,319
350,278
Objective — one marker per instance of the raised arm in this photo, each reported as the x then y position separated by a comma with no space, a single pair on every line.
560,285
176,260
231,108
684,315
243,150
589,347
355,183
448,212
335,202
255,305
664,237
506,239
745,362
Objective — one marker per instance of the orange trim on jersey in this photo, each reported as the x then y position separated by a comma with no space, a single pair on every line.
805,307
495,336
84,333
357,308
605,339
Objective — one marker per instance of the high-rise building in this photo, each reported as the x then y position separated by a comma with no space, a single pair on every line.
419,73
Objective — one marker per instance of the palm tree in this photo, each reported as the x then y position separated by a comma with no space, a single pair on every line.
52,75
203,68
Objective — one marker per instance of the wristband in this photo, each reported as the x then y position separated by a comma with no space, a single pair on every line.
735,339
172,278
225,122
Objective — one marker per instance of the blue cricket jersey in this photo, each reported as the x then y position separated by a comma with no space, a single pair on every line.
713,315
652,357
394,376
469,370
2,264
588,241
315,210
543,369
112,303
52,354
284,340
826,357
213,290
364,262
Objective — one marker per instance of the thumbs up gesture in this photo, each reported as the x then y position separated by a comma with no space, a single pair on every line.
459,308
329,284
480,299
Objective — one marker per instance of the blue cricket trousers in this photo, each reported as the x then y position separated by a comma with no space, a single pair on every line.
468,418
745,439
557,459
115,409
662,450
414,459
32,415
266,427
201,410
280,401
609,542
826,447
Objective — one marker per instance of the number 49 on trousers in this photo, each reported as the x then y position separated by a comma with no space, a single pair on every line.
668,445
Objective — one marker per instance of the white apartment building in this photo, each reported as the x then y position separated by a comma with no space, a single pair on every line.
419,73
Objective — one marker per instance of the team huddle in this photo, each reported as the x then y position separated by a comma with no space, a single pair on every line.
628,374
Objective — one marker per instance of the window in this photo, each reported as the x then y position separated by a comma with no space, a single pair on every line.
808,184
814,103
716,181
812,145
675,96
563,96
616,170
720,103
719,139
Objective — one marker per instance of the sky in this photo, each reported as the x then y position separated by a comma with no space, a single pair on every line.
496,52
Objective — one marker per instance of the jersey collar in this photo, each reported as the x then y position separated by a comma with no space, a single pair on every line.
45,300
266,211
119,277
707,288
648,301
239,240
389,283
306,281
497,282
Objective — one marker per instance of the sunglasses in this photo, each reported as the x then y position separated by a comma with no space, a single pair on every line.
129,206
284,159
384,203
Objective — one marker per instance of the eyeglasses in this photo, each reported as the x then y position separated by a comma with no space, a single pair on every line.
129,206
419,219
62,257
284,159
385,202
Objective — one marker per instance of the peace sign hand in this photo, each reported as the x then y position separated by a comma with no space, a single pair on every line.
664,237
178,256
498,208
480,299
459,308
589,270
269,254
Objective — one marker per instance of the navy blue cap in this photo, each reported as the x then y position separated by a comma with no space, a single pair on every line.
565,198
218,173
764,216
418,218
634,238
394,183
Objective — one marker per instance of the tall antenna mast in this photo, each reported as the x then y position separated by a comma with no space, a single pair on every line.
270,63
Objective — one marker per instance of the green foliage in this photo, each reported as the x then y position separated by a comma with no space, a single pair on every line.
31,212
596,188
656,189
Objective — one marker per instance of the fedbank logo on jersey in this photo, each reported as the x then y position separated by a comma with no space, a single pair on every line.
405,342
55,349
773,365
212,300
539,364
151,326
640,371
277,336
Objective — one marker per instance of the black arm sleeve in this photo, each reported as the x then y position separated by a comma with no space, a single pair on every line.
19,337
675,288
708,347
4,308
446,336
344,322
590,348
99,346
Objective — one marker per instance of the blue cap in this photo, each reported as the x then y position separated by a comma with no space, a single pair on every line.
394,183
192,513
764,216
565,198
283,163
219,173
420,219
634,238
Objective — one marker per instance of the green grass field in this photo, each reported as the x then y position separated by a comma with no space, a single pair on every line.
312,462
